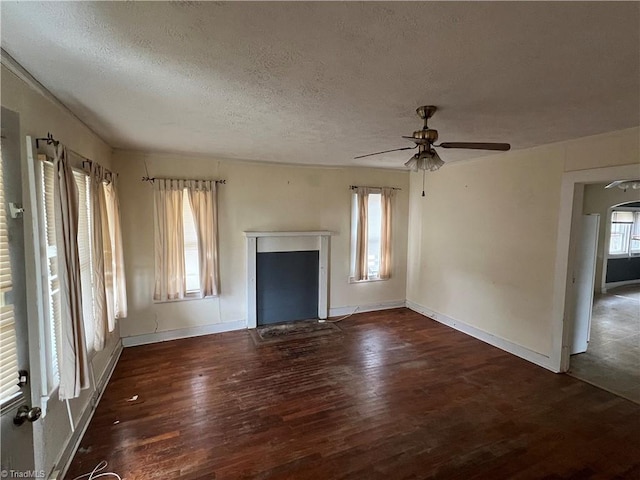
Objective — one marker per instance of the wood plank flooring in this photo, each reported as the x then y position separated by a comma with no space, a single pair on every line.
396,396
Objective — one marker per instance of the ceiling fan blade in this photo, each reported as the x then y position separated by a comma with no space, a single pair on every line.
385,151
615,184
502,147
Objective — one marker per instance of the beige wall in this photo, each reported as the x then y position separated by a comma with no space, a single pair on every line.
39,115
482,243
607,150
598,200
267,197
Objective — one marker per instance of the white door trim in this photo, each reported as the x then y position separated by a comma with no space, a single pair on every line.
35,296
571,195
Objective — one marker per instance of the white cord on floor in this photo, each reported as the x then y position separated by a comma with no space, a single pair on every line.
101,466
346,316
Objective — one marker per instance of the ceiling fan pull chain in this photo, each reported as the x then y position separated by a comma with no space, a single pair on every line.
423,173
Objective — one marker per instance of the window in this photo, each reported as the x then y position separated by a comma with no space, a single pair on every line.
376,234
185,239
191,258
75,237
85,253
8,344
374,226
52,287
625,233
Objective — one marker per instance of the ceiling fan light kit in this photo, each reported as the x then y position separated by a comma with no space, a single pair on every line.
425,160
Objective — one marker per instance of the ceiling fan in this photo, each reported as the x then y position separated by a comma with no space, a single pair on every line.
427,158
624,184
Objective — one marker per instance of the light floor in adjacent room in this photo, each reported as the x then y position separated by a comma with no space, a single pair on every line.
612,361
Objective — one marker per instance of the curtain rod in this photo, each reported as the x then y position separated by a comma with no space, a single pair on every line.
52,141
153,179
149,179
353,187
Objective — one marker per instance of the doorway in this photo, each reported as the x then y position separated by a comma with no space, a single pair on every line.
605,347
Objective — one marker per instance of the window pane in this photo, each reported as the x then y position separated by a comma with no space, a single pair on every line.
619,240
191,259
635,233
374,233
53,294
54,312
354,234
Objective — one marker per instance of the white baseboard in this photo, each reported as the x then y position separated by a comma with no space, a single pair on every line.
371,307
147,338
501,343
63,463
609,286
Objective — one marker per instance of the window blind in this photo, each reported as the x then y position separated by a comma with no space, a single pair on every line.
191,256
53,285
84,252
621,217
8,342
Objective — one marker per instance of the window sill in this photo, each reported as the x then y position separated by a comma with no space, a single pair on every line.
622,255
187,298
353,280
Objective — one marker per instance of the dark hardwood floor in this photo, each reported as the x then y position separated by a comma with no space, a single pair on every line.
395,396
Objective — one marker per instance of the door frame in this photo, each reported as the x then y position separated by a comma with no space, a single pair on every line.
571,197
35,308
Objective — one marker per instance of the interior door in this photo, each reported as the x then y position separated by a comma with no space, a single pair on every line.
16,412
583,282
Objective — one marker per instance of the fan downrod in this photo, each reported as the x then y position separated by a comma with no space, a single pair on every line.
426,112
426,135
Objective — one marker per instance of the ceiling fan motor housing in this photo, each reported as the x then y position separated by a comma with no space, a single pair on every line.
428,135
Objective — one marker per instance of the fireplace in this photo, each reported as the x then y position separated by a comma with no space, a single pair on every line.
297,251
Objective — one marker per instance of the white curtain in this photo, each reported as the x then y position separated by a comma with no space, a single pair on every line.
385,234
117,257
362,229
72,354
169,240
103,317
203,200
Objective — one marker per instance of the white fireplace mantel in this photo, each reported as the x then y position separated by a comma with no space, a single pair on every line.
319,233
283,242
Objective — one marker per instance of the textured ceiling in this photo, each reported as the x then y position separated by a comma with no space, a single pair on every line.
319,83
